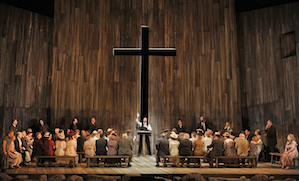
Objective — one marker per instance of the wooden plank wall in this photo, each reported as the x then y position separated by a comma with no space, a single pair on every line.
25,56
87,80
270,83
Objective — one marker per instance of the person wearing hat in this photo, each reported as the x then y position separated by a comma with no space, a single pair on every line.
174,147
207,139
229,147
144,125
109,133
162,147
180,127
94,135
60,145
49,146
38,145
198,145
217,146
165,130
71,146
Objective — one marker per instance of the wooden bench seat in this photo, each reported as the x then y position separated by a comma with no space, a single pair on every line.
248,158
55,157
275,158
124,160
80,156
187,160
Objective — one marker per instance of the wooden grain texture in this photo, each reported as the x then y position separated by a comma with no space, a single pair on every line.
87,80
269,83
146,165
25,58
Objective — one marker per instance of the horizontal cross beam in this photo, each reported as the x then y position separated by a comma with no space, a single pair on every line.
151,51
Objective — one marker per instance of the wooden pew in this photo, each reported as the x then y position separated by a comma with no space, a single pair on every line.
248,158
54,157
80,156
187,160
123,159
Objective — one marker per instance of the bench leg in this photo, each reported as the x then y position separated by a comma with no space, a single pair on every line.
217,163
272,161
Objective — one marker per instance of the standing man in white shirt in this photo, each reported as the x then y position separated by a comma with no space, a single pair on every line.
144,125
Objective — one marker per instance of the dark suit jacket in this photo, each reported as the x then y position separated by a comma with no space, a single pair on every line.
124,147
185,148
38,147
24,142
17,146
182,129
15,129
91,127
271,136
43,129
199,126
74,126
80,143
249,137
162,147
217,146
101,145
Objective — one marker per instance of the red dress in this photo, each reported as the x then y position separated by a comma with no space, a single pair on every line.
48,148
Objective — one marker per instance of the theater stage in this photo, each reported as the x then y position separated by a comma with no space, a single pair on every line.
146,165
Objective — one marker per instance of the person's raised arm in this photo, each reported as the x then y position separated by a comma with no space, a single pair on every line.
137,120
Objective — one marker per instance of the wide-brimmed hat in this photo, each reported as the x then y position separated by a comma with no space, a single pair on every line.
226,134
217,134
164,130
200,130
173,135
61,135
95,132
47,135
109,129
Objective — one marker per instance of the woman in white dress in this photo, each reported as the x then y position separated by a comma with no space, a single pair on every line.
60,145
174,147
15,158
207,140
71,146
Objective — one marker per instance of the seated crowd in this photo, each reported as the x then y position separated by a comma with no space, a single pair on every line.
20,147
205,143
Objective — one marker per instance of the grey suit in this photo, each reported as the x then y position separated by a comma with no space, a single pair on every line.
162,147
124,147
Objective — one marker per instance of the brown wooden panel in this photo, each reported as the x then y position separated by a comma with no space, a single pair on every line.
270,80
107,86
26,55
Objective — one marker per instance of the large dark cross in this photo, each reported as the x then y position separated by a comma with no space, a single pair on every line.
144,51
